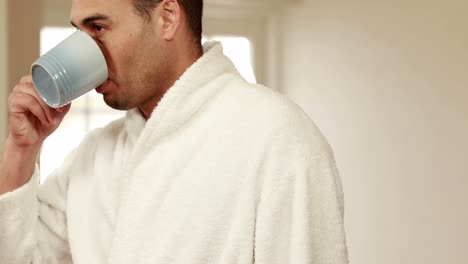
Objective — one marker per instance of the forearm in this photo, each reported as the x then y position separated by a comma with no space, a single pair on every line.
17,165
32,217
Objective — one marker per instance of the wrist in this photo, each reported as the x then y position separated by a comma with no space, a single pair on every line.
17,165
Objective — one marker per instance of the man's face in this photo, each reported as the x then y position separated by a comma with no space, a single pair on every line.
133,50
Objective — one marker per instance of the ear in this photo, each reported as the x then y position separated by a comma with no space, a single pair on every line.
171,15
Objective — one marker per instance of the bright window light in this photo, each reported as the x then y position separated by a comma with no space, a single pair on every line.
51,36
239,50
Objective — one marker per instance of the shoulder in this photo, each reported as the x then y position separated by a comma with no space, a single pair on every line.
279,120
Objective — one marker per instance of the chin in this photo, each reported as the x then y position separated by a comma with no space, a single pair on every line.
116,103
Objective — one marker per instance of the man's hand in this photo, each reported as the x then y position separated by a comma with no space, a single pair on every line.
30,122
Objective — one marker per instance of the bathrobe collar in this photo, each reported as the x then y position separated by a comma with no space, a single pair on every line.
193,89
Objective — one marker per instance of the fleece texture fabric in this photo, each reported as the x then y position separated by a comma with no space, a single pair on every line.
223,172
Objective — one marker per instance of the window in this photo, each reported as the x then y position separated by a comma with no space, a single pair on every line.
89,111
239,50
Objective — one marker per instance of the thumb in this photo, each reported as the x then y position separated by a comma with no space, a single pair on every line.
61,112
65,108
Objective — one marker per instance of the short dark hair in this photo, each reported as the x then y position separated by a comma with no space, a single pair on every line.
193,11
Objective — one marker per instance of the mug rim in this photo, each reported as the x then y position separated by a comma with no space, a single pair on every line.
57,105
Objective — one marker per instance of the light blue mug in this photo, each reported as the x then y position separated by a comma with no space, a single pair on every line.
71,69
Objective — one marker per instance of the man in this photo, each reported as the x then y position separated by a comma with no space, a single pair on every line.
204,168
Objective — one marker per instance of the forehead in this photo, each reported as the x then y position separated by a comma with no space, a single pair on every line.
84,8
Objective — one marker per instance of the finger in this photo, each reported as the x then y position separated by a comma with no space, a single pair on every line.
26,79
60,113
22,103
64,109
28,88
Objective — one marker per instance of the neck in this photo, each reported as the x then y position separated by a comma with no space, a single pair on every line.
182,63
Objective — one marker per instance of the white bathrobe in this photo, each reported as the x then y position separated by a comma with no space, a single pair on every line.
223,172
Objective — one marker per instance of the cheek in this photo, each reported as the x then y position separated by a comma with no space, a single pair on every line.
108,55
123,55
116,57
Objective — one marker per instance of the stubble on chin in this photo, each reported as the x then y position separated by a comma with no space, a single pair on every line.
119,103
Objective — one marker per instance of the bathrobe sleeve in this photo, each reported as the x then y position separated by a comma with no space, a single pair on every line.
300,208
33,226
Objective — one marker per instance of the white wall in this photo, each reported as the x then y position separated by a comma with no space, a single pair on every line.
387,83
56,13
20,23
3,71
24,26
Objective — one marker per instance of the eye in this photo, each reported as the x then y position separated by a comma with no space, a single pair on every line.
97,27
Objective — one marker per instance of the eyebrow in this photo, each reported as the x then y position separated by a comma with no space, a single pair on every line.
90,19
